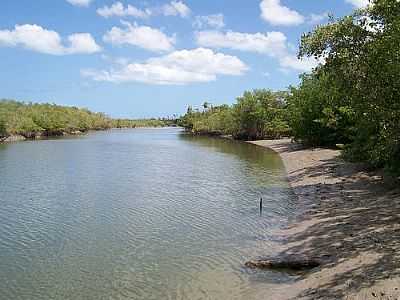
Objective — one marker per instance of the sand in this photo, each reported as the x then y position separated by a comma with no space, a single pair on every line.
352,222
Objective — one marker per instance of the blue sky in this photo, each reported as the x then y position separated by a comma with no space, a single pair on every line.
150,58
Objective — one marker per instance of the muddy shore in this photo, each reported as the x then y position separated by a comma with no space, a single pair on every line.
352,220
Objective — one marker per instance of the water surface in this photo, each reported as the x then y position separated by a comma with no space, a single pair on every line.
138,214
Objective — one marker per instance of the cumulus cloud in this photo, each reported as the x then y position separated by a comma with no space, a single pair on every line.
82,43
118,9
141,36
275,13
176,68
174,8
358,3
80,2
273,44
36,38
210,21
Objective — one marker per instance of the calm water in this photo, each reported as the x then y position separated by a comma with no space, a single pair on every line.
138,214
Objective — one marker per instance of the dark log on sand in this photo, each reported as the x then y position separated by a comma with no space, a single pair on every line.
289,264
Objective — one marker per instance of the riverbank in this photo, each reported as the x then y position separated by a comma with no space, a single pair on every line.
352,221
21,121
40,136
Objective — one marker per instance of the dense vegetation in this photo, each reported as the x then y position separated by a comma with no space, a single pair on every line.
353,98
256,115
137,123
33,120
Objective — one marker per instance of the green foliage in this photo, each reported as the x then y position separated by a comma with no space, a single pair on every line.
47,119
127,123
32,120
362,56
260,114
257,114
319,114
212,120
2,128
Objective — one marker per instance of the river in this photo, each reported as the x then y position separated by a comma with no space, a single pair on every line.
138,214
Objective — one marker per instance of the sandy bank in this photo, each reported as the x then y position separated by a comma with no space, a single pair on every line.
353,220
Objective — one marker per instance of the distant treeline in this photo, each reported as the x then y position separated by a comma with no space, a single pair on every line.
35,120
353,98
256,115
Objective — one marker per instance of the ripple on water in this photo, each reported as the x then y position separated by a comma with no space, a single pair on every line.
138,214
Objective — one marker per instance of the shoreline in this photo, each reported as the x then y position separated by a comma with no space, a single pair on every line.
40,136
352,218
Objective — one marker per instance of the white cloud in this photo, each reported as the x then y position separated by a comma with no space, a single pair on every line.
177,68
317,18
118,9
275,13
213,21
176,8
80,2
120,61
82,43
358,3
141,36
271,43
38,39
292,62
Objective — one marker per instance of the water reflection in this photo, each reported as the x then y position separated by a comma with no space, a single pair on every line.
256,156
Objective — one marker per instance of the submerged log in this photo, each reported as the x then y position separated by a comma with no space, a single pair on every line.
288,264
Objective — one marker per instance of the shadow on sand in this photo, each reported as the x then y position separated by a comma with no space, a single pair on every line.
352,215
